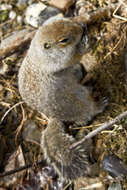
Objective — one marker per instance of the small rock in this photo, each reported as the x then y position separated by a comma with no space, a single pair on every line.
12,15
62,4
114,166
37,13
3,69
115,186
31,132
5,7
47,13
33,12
19,19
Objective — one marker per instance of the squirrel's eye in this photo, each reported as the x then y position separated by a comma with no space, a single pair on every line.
47,45
64,40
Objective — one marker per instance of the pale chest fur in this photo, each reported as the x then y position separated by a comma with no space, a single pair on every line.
30,85
38,90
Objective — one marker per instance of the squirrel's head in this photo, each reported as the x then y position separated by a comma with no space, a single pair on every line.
57,43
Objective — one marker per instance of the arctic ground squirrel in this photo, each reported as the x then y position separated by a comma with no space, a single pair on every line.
50,82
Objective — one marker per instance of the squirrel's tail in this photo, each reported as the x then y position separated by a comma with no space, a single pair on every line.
69,163
73,163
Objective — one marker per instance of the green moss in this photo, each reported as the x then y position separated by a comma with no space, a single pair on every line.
3,15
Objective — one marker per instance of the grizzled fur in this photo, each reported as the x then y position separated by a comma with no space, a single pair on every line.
49,81
70,164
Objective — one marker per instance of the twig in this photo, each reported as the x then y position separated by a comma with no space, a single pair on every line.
99,129
112,50
6,113
117,16
20,169
18,130
15,41
67,185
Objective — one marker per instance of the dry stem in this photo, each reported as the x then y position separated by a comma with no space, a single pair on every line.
99,129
